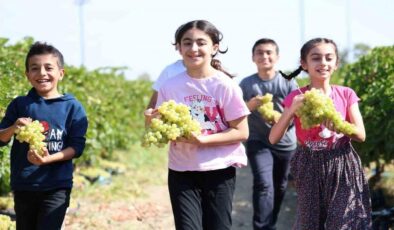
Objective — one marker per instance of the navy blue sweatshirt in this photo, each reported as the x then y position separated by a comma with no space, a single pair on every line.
65,125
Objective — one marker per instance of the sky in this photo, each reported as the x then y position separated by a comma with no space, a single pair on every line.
138,34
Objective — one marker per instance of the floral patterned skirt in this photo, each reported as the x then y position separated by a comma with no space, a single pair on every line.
332,190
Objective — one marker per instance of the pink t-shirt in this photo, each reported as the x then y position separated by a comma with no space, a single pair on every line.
212,101
343,97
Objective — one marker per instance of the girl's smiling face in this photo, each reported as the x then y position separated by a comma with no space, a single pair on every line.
321,61
197,48
44,73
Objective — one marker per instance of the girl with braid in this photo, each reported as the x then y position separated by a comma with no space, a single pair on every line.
331,186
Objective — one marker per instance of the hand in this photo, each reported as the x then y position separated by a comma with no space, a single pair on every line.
36,159
254,103
298,101
193,139
22,121
150,114
329,125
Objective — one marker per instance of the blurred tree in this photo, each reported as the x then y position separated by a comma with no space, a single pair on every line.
144,77
359,50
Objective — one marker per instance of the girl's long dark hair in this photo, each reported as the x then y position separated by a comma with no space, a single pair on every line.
215,63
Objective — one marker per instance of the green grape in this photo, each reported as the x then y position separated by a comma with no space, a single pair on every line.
32,134
6,223
318,108
266,109
174,121
266,98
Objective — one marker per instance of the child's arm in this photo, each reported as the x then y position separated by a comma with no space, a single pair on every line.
152,101
66,154
357,120
279,129
237,132
7,133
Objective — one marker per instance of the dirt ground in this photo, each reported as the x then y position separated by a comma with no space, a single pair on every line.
243,209
154,211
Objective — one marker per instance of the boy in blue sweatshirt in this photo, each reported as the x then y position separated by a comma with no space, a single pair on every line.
42,184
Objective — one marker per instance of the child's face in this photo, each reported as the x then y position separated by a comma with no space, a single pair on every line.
197,48
321,61
44,73
265,56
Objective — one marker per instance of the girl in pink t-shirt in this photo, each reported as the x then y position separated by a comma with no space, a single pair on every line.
332,189
201,177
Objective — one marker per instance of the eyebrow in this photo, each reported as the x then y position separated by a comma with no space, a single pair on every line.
264,50
35,64
319,54
198,39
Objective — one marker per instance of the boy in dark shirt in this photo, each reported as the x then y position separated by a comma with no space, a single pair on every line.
42,183
270,164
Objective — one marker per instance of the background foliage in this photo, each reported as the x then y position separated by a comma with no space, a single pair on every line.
372,77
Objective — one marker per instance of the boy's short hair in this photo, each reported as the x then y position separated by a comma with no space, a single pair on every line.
265,41
39,48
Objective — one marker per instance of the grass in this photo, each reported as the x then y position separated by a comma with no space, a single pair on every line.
144,167
120,204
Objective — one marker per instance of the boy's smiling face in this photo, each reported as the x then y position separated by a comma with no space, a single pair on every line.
44,73
265,56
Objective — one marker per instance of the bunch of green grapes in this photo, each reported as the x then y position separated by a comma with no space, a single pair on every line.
6,223
318,108
6,202
174,121
32,134
266,109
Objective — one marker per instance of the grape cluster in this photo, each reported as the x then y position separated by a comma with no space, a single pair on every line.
6,223
266,109
318,108
174,121
32,134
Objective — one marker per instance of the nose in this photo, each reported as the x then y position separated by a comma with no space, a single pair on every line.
43,71
324,61
194,46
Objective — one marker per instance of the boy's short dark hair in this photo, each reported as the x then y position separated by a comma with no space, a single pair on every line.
39,48
265,41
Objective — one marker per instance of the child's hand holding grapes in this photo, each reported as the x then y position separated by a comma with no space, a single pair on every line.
38,157
22,121
31,132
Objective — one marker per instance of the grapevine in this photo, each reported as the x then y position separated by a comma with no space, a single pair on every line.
266,109
32,134
174,121
318,108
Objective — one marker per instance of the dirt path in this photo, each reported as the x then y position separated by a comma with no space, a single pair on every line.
154,211
243,209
